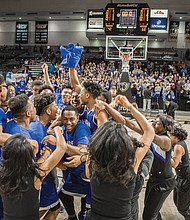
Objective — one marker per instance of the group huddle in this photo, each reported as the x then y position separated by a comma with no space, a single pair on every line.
87,138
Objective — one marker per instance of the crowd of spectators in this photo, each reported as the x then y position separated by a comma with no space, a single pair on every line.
166,80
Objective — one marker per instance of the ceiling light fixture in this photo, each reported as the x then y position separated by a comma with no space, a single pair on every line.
19,18
49,17
180,17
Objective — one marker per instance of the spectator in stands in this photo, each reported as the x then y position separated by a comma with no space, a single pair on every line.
11,90
178,90
35,89
169,94
147,99
26,70
14,70
51,68
47,111
134,91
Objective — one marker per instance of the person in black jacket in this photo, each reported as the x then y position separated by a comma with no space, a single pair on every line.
170,107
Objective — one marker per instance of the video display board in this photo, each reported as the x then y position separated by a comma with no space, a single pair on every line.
158,23
158,19
123,17
95,19
21,32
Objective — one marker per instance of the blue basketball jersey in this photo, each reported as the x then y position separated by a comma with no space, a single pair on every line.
3,119
13,128
73,183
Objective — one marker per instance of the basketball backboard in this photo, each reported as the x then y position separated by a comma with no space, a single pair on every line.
135,46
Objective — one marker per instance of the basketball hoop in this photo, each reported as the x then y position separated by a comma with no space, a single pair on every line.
126,57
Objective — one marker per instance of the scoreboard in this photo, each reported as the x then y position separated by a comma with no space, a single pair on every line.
123,17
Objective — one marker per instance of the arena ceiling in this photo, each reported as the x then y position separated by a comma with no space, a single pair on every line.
76,9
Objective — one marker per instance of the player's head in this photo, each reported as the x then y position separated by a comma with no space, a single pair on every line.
69,117
45,89
66,94
75,100
178,133
163,124
90,90
45,105
22,107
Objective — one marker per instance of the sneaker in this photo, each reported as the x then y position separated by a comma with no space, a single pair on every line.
82,215
62,209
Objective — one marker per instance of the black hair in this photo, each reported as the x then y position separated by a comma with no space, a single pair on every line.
45,87
107,96
167,122
93,88
10,84
2,79
37,83
179,132
69,108
18,105
112,154
67,86
17,166
41,101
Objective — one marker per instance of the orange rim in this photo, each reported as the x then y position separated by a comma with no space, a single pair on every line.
125,57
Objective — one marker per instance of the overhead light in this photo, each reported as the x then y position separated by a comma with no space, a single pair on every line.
49,17
156,39
96,38
180,17
81,17
19,18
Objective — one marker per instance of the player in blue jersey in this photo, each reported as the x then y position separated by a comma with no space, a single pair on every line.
3,96
46,109
89,92
3,120
24,112
77,136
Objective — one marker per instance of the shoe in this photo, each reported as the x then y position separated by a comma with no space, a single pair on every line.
82,215
62,209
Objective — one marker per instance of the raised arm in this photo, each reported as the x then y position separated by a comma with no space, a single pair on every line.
74,80
46,75
148,131
116,116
